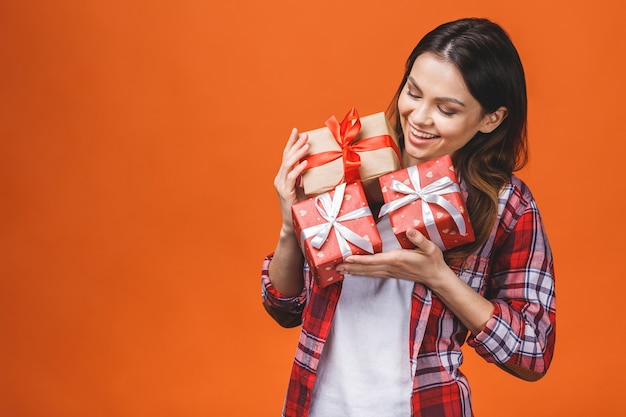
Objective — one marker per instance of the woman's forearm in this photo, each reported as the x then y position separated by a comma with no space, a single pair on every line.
470,307
285,269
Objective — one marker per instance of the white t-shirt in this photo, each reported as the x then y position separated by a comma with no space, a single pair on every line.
365,370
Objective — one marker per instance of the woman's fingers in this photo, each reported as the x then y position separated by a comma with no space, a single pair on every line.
420,264
379,264
295,149
420,241
291,166
290,170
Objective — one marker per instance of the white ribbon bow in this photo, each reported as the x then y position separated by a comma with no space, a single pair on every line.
428,194
329,210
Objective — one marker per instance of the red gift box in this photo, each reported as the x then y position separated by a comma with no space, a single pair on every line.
427,197
332,226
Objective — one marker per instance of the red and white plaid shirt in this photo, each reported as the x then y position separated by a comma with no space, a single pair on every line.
514,270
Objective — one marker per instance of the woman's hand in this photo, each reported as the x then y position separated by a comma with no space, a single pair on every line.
290,169
424,264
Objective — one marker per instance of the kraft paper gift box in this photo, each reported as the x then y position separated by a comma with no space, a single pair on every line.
357,148
428,198
332,226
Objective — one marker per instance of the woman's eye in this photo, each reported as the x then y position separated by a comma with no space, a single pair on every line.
446,112
412,94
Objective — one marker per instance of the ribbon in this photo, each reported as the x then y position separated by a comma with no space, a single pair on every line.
431,193
329,210
345,134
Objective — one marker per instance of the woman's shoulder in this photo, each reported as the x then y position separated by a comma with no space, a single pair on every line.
515,199
516,193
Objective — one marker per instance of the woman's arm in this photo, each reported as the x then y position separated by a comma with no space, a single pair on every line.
514,326
425,264
471,308
283,272
520,337
285,269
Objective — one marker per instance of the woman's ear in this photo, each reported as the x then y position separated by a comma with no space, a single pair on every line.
492,120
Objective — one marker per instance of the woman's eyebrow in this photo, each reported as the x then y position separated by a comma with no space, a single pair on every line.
445,99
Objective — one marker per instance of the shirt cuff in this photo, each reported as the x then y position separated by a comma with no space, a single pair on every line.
274,298
501,337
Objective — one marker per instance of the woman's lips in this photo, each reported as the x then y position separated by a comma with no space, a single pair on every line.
418,136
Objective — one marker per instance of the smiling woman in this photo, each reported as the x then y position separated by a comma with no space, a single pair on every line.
463,94
138,144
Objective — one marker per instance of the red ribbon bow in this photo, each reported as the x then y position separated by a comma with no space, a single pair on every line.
345,133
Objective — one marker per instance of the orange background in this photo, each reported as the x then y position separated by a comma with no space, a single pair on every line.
138,144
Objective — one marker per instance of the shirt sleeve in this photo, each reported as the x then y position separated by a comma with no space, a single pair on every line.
287,311
521,287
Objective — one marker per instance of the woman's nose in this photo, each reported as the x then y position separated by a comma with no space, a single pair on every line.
420,115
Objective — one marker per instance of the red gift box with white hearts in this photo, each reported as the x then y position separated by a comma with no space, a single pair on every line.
427,197
332,226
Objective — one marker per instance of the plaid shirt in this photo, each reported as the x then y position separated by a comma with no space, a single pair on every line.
514,270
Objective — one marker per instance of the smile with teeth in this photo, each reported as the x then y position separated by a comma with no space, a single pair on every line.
422,135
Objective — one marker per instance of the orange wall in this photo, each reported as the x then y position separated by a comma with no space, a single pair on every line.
138,144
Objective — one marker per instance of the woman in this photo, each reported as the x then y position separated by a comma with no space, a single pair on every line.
463,94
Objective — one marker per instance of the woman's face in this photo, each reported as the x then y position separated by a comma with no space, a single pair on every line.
437,112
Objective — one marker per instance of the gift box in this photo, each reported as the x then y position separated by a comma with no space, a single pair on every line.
357,148
427,197
332,226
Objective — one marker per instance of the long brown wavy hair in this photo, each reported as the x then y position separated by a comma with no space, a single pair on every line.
490,65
